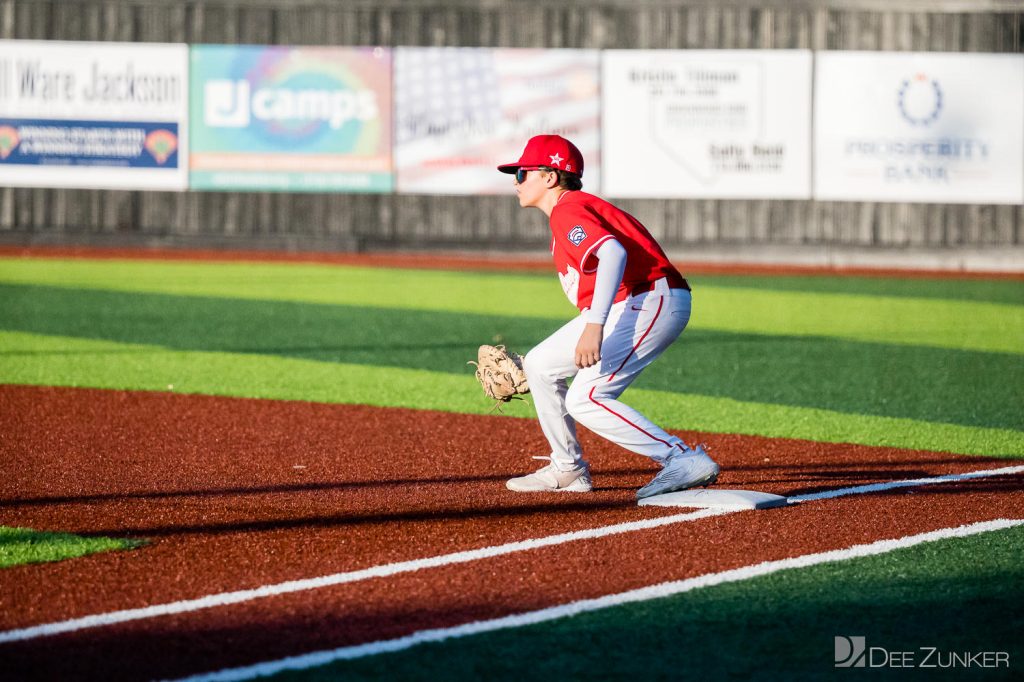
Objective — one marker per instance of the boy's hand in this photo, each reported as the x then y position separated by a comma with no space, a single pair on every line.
588,350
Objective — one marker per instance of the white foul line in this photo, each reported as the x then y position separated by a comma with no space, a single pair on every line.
385,570
381,571
321,658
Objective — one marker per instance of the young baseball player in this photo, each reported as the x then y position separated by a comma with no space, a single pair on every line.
633,304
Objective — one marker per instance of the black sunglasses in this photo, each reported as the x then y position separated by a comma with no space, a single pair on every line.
522,171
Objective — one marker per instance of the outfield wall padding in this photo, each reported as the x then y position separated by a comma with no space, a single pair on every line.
391,221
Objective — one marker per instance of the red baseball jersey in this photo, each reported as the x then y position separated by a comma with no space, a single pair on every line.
580,223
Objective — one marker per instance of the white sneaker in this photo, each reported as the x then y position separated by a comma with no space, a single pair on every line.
550,479
685,470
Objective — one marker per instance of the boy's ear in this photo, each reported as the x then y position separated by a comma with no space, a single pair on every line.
551,180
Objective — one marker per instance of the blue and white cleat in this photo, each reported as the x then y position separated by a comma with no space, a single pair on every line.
682,471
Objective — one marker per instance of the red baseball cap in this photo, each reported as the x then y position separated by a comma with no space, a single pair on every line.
553,151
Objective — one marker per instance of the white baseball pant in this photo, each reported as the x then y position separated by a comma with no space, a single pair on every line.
637,331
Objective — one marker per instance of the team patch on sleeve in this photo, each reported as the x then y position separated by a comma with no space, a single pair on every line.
577,235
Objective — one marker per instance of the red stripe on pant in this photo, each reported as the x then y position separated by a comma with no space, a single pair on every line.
661,303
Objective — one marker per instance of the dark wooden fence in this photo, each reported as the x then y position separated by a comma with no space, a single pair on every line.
392,221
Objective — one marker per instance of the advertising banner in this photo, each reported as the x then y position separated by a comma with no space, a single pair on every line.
459,112
707,123
291,119
93,115
928,127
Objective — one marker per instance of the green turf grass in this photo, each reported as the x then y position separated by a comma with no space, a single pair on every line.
27,546
818,368
65,361
956,595
967,325
889,380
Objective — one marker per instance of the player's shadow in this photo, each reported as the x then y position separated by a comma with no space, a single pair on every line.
285,488
550,510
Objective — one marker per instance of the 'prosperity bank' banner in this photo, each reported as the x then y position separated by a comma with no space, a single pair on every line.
305,119
919,127
459,112
93,115
707,123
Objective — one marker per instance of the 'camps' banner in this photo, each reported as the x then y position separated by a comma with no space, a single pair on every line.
296,119
930,127
93,115
459,112
707,123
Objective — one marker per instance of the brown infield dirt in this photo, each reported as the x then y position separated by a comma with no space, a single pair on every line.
238,493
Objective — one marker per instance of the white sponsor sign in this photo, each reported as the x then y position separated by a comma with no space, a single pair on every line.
707,123
460,112
93,115
929,127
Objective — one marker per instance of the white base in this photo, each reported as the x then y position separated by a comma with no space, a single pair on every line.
716,499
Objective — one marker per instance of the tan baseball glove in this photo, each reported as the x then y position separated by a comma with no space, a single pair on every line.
500,373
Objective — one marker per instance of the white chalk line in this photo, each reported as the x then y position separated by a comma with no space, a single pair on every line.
385,570
320,658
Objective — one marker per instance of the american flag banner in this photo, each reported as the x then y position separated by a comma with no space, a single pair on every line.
459,112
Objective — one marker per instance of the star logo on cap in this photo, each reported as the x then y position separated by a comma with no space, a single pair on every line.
556,160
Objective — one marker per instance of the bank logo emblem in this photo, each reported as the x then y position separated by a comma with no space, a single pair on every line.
920,100
850,651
